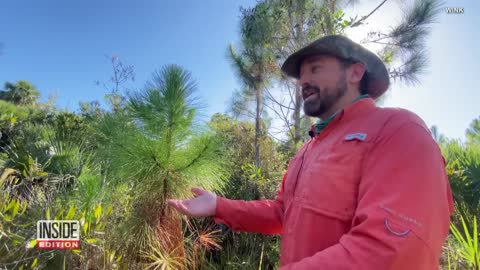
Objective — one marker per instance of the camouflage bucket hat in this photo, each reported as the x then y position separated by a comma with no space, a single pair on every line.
342,47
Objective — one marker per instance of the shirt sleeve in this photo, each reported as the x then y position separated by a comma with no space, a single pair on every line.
403,208
262,216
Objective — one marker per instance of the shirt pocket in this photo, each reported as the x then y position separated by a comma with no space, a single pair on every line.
330,182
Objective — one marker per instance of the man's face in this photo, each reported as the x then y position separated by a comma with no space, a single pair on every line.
323,81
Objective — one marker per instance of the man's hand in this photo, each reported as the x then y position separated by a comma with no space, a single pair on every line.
203,205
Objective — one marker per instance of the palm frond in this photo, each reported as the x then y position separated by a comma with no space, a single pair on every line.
240,103
413,66
404,45
160,259
473,132
241,67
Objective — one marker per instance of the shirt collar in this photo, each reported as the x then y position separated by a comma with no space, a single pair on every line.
360,105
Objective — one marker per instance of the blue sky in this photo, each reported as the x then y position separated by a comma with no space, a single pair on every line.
60,46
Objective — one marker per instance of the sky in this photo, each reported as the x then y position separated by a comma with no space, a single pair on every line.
62,47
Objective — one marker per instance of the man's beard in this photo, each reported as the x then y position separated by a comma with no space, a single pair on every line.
325,99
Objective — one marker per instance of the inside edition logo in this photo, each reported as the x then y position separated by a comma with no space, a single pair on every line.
58,234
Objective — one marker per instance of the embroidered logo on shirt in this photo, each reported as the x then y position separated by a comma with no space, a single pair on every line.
356,136
401,234
400,215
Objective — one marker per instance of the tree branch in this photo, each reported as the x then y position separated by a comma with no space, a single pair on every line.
368,15
274,100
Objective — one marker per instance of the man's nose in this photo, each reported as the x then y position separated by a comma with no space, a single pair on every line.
304,80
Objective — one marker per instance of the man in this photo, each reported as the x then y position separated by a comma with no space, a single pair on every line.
368,191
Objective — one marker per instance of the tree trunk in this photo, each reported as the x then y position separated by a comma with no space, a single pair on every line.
169,226
298,90
170,234
297,120
331,5
258,130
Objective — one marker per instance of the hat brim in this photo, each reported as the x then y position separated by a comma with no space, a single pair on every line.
378,79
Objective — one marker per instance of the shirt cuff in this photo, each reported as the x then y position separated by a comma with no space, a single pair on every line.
220,210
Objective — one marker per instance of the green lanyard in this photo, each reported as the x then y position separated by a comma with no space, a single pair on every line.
321,124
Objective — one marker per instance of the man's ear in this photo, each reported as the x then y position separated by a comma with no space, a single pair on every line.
356,72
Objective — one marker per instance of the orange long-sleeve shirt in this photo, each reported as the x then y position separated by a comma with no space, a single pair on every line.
369,192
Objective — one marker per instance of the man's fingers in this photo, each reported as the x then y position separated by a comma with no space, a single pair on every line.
171,202
179,205
197,191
